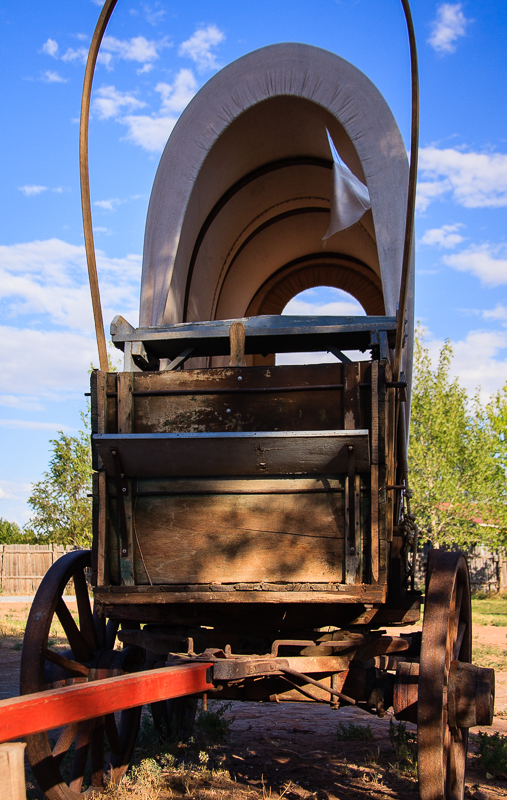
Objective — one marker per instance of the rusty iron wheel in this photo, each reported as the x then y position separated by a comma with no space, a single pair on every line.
83,751
446,638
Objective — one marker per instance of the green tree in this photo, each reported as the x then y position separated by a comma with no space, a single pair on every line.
455,473
60,502
497,418
11,533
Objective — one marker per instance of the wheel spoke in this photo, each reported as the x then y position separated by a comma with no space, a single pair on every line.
80,649
113,737
111,631
79,747
84,735
97,753
79,670
86,623
64,741
459,640
99,621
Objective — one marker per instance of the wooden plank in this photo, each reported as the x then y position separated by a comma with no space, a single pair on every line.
237,378
100,531
252,485
241,538
351,401
43,711
12,771
98,403
264,334
278,411
125,405
382,471
374,526
274,453
363,593
237,345
125,385
374,523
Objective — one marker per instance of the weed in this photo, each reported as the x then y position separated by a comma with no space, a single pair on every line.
493,754
212,726
355,733
405,746
372,758
17,646
143,781
490,655
489,610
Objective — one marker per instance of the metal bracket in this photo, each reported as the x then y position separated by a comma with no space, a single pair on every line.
352,500
179,360
122,490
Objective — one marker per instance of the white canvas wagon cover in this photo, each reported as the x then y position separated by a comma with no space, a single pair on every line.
241,200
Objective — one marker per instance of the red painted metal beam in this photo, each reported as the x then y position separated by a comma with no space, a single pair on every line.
43,711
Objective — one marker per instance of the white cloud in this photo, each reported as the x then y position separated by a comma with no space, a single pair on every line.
498,313
336,308
481,261
177,95
33,425
475,180
347,307
109,102
32,191
137,49
49,278
108,205
428,191
446,236
151,133
12,490
476,361
154,14
50,76
75,54
23,402
50,48
144,70
448,26
199,47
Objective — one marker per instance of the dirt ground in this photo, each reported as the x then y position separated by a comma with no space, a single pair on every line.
293,750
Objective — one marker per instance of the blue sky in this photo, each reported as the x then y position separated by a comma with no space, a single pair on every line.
155,57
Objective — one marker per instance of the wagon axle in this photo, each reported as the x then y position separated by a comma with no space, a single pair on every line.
470,694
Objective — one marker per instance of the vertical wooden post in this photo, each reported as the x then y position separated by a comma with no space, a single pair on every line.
351,421
2,573
374,473
237,340
12,770
125,386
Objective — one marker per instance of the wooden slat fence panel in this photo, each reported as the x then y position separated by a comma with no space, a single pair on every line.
488,570
22,566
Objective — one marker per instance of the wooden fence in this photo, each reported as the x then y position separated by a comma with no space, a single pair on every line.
23,566
488,571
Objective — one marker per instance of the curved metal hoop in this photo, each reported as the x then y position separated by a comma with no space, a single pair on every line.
412,184
100,29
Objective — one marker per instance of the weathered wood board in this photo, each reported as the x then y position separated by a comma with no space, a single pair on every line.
264,334
153,455
240,538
